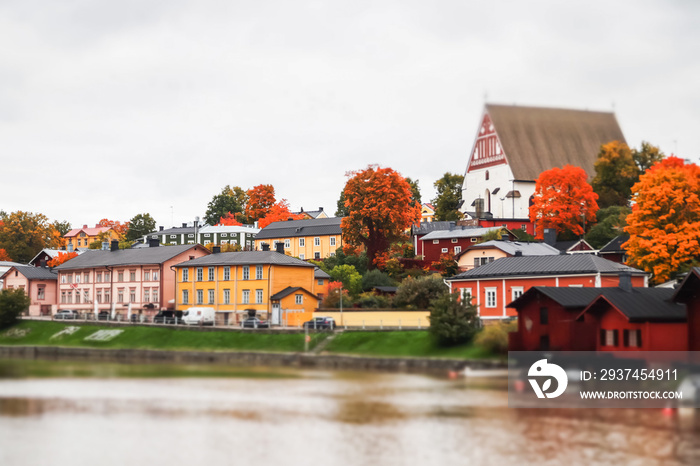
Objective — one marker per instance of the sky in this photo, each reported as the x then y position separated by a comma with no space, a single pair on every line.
112,109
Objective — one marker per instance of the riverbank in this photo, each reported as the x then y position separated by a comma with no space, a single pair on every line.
395,351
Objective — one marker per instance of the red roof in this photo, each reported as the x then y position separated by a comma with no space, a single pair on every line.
88,231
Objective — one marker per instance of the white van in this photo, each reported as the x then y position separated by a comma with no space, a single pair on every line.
199,316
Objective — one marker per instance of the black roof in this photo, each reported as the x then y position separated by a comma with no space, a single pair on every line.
527,266
35,273
568,297
246,258
287,291
175,231
306,227
615,245
100,258
640,304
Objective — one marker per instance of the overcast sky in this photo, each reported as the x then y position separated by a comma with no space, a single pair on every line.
110,109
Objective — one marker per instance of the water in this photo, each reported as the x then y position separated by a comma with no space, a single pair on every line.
109,414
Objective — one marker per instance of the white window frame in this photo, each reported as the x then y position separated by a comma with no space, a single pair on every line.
317,241
298,299
246,296
227,273
332,240
436,241
444,251
227,296
516,292
185,274
212,296
185,296
287,244
458,249
491,297
302,242
246,272
258,296
200,296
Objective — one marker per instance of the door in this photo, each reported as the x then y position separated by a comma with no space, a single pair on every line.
276,317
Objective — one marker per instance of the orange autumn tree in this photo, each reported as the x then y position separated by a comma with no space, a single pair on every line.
61,258
664,225
564,201
4,256
261,198
118,227
229,220
380,209
279,212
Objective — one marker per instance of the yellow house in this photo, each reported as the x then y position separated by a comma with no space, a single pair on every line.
82,237
316,238
427,212
235,282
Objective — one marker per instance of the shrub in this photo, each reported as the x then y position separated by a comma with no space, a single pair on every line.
453,321
373,300
12,304
494,337
376,278
417,293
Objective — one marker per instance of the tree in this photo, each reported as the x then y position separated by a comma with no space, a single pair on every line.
12,303
62,227
449,193
446,265
229,220
341,210
417,293
24,234
616,173
664,225
376,278
139,226
453,321
563,200
4,256
611,223
118,227
349,277
279,212
230,200
61,257
261,198
380,210
646,157
415,191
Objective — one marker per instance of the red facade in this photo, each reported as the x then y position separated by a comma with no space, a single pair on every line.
510,223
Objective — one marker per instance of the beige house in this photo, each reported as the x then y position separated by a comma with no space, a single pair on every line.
489,251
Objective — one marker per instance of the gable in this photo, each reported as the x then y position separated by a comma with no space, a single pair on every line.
487,150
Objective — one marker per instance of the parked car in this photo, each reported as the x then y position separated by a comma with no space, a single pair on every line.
168,317
103,315
254,322
65,314
320,323
199,316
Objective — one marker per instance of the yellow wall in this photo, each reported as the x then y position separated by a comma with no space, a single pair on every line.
355,318
309,249
466,260
296,314
79,241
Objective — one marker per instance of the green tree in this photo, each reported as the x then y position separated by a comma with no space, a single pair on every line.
616,173
449,193
62,227
646,157
341,210
453,321
611,223
376,278
140,225
349,277
12,303
230,199
417,293
24,234
415,190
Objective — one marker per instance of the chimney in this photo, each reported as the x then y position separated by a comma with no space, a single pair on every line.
153,242
161,228
216,250
184,225
70,247
115,245
505,237
265,247
320,209
302,209
84,226
550,236
280,247
43,263
518,253
625,281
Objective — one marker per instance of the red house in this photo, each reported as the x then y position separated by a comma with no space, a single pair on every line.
688,293
637,319
452,241
502,281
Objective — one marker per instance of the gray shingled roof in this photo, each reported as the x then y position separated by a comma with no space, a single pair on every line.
641,304
99,258
546,265
318,274
175,231
306,227
426,227
35,273
536,139
246,258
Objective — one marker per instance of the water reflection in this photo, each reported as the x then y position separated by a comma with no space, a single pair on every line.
304,417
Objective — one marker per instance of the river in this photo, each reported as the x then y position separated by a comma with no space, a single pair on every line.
72,413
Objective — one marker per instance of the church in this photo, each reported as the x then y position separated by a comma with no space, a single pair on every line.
515,144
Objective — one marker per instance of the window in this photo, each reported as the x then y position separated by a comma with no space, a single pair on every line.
185,275
317,255
608,337
490,297
147,276
301,256
191,235
287,244
86,296
474,240
224,235
200,274
146,295
258,272
544,316
206,241
478,261
41,292
317,241
120,276
246,272
120,295
155,275
258,296
64,279
154,295
77,278
185,297
436,241
69,277
454,240
107,296
302,242
207,235
200,296
516,292
132,295
227,273
86,277
298,299
320,281
246,296
98,277
523,227
70,297
632,338
173,236
458,249
132,276
211,296
106,276
98,296
332,240
64,300
227,296
211,274
443,250
77,297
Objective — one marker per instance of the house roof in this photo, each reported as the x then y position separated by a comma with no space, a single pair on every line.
289,290
689,287
536,139
614,246
524,266
426,227
305,227
568,297
175,231
640,304
568,246
9,264
100,258
319,274
246,258
386,289
511,247
88,231
460,232
229,229
52,253
311,213
34,273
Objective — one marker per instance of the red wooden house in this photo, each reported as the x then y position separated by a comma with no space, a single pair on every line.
688,293
453,241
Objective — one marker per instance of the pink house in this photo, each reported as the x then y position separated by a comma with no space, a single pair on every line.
114,279
39,283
